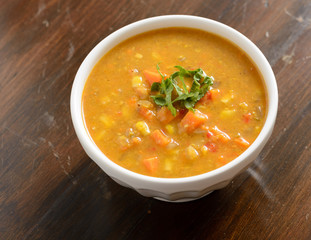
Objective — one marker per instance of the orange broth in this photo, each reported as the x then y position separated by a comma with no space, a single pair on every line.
135,133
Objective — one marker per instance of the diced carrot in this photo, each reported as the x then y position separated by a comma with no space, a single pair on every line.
204,128
209,134
211,146
192,120
220,135
214,93
160,137
146,113
136,140
183,111
152,76
247,117
151,164
205,98
241,141
165,115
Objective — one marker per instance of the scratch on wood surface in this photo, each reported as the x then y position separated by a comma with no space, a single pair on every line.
258,163
58,6
27,141
48,119
42,76
68,16
46,23
262,185
41,7
234,5
68,160
300,19
61,162
288,59
43,72
51,145
57,157
71,51
267,34
244,12
304,59
67,130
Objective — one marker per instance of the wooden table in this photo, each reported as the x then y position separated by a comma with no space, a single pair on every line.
50,189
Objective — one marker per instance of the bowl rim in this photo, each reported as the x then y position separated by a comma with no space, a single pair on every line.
150,24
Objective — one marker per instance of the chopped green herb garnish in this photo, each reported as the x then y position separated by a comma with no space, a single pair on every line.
185,99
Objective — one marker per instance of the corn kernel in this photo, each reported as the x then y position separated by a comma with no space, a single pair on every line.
143,128
204,150
137,81
227,114
173,152
243,105
138,55
170,129
228,97
257,129
191,153
106,120
168,165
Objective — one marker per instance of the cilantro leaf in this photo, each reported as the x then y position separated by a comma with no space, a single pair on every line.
186,99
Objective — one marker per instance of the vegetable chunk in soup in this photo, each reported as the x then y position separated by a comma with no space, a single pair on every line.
174,102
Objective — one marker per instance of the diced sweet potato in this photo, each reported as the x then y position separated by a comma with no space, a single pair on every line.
205,99
165,115
220,135
145,112
151,164
160,138
152,76
242,142
192,120
214,93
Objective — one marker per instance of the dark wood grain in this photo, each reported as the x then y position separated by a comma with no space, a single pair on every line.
50,189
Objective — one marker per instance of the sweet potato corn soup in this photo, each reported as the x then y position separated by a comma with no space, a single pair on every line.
156,119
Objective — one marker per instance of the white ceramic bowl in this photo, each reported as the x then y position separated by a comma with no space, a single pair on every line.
176,189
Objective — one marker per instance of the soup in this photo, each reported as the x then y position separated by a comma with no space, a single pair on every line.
174,102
